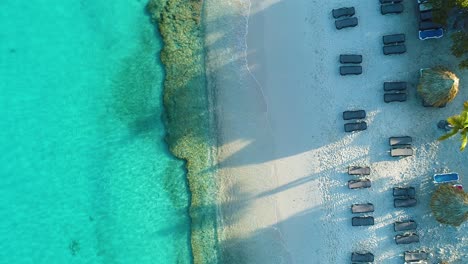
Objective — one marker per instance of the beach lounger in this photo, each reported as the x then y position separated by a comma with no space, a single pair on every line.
407,238
392,39
355,170
405,225
425,25
346,22
355,114
395,8
362,221
350,58
426,15
404,202
446,177
396,141
344,11
394,49
358,126
394,97
431,34
350,70
416,255
362,208
357,257
408,191
401,152
359,184
395,86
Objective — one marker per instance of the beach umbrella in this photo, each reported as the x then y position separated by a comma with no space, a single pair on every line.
450,205
437,86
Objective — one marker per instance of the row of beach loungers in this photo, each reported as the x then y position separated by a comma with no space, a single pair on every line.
415,256
399,146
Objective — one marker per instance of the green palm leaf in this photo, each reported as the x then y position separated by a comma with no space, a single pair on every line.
465,106
450,134
464,140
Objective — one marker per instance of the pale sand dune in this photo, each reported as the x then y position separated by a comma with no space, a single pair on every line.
283,154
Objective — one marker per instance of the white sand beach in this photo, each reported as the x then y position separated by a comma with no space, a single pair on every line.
282,151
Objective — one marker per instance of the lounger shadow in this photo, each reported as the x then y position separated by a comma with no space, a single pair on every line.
356,114
357,257
394,49
350,70
395,86
405,225
394,97
362,221
356,170
407,238
362,208
404,202
358,126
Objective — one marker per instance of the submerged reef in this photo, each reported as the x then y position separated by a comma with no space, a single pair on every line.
188,118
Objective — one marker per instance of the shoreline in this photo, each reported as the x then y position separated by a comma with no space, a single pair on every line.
188,116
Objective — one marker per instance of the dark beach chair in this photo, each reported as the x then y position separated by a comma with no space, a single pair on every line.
392,39
358,126
397,141
346,22
405,225
426,25
355,114
407,192
416,255
395,8
390,1
356,170
426,15
394,49
407,238
395,97
404,202
362,221
350,58
401,152
344,11
359,184
431,34
395,86
357,257
350,70
362,208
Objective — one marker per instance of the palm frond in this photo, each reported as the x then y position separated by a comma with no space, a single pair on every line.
464,140
465,106
448,135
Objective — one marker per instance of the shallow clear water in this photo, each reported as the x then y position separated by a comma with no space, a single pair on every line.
85,174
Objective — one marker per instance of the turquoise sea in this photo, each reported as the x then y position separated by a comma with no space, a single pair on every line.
86,176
